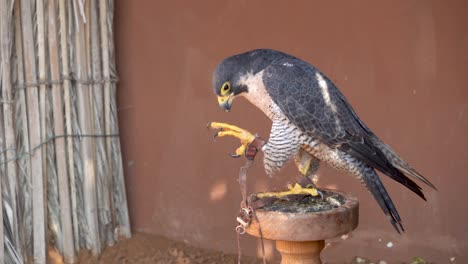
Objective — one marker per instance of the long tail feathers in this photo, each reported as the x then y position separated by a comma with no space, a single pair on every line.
408,183
400,164
406,169
397,169
376,188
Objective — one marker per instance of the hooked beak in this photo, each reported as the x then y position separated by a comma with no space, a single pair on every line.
225,102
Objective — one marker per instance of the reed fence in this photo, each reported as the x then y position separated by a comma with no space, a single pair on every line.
61,175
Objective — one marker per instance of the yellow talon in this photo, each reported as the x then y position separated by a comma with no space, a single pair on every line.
229,133
243,135
230,130
225,126
296,189
241,150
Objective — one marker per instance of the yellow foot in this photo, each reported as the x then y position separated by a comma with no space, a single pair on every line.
243,135
304,167
296,189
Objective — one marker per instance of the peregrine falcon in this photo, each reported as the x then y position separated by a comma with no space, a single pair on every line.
311,121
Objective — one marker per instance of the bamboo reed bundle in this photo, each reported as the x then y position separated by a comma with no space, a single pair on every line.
24,166
64,56
34,130
10,235
106,9
4,82
87,143
103,171
61,176
66,241
6,23
2,234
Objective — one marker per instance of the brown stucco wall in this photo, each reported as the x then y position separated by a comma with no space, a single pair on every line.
402,65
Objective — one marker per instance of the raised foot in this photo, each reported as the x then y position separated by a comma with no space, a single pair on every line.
243,135
296,189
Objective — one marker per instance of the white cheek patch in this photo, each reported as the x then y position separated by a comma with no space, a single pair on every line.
257,95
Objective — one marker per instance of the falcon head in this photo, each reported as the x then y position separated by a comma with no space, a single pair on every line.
230,75
226,80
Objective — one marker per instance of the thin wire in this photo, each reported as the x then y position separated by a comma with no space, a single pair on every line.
48,140
21,86
3,101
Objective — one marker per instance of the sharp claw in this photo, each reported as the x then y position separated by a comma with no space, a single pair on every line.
215,135
321,194
208,125
235,155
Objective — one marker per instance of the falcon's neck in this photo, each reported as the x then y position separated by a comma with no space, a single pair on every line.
258,95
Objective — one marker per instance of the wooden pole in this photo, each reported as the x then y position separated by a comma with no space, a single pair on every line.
5,80
34,121
64,53
87,143
106,99
41,51
107,211
113,144
60,148
41,55
25,228
2,242
9,132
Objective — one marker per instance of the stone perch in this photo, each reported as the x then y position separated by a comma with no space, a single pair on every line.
300,227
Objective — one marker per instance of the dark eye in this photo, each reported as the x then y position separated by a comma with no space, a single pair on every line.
225,88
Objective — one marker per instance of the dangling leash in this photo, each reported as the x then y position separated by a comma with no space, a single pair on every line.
247,208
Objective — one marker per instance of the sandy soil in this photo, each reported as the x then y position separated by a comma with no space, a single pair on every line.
145,249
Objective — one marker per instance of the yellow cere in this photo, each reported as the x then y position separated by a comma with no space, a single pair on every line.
222,99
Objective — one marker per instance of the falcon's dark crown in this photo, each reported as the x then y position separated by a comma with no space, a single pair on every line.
233,68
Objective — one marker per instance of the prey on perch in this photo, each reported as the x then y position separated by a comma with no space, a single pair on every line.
311,121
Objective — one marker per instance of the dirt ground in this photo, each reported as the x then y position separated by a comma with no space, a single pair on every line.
145,249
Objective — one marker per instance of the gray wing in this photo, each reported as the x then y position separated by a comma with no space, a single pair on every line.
313,103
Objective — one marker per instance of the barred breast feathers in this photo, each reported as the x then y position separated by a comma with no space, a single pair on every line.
283,144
